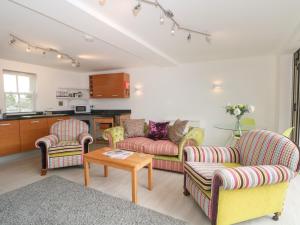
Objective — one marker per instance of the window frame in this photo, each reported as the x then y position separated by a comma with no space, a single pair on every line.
32,92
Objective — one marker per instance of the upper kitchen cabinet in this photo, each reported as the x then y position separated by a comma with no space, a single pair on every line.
114,85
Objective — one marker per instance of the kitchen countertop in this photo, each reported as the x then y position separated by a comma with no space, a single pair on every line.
95,112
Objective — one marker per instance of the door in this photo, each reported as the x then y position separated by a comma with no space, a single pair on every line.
296,98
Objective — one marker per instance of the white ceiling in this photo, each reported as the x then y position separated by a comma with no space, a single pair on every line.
239,29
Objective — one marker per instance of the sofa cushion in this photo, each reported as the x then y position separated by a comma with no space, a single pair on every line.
134,144
177,130
161,147
202,173
134,128
65,148
158,131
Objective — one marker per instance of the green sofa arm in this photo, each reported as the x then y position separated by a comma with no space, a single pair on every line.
114,135
195,134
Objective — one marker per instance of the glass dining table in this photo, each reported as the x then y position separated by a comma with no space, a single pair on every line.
236,133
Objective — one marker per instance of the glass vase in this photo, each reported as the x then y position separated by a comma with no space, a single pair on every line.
237,128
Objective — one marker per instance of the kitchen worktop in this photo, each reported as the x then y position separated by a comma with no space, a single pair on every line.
94,112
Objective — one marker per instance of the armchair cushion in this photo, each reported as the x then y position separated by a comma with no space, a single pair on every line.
65,148
50,140
202,173
252,176
83,137
209,154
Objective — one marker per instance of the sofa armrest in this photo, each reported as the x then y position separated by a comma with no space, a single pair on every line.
251,176
210,154
114,135
48,141
85,137
196,135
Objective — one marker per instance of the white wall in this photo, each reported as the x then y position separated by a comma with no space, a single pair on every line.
47,82
185,92
285,79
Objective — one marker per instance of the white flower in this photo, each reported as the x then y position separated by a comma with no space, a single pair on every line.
251,108
237,112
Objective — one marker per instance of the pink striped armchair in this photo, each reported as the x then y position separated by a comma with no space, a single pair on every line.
232,185
65,146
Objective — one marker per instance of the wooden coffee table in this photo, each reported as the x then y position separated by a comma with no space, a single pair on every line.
132,164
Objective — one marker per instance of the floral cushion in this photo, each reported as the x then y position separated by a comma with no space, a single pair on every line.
161,147
158,131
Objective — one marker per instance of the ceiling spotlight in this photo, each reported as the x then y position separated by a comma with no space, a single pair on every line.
208,39
59,56
162,18
75,63
12,41
28,49
102,2
173,29
189,37
137,9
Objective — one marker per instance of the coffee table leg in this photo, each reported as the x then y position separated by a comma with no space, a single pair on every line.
134,186
106,171
86,172
150,185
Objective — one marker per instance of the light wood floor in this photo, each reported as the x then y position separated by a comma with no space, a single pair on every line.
166,196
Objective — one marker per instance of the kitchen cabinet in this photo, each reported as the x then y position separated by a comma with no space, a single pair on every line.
115,85
31,130
55,119
9,137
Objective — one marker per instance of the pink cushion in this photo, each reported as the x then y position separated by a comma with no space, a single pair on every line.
135,144
161,147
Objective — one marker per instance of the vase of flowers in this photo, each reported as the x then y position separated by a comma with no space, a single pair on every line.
238,110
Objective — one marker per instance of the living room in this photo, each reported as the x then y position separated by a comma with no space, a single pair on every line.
190,61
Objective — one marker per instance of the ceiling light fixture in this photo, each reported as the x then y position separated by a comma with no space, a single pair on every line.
28,49
88,38
173,29
170,15
43,50
136,9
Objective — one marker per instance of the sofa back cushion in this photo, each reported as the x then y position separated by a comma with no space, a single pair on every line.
262,147
134,128
68,130
177,130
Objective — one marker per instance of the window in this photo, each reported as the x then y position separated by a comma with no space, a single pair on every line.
19,90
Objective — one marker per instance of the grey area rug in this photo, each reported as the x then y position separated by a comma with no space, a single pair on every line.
57,201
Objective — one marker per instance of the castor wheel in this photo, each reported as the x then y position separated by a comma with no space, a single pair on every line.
276,216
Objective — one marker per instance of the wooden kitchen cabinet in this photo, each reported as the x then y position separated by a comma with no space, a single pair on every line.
55,119
31,130
115,85
9,137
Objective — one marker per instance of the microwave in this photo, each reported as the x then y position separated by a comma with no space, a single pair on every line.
82,109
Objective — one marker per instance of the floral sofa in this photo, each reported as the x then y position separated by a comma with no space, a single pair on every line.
237,184
168,155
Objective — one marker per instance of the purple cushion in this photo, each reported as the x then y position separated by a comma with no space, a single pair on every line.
158,131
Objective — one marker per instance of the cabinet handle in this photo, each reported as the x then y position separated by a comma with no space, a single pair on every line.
59,119
5,124
35,121
99,95
114,95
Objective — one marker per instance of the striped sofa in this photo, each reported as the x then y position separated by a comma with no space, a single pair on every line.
249,181
168,156
65,146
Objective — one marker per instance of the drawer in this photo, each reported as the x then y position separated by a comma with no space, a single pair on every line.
9,126
103,120
9,137
33,124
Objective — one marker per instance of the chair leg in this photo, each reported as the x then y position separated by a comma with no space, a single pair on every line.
276,216
43,172
185,190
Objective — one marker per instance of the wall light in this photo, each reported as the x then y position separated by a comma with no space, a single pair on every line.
138,89
217,86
